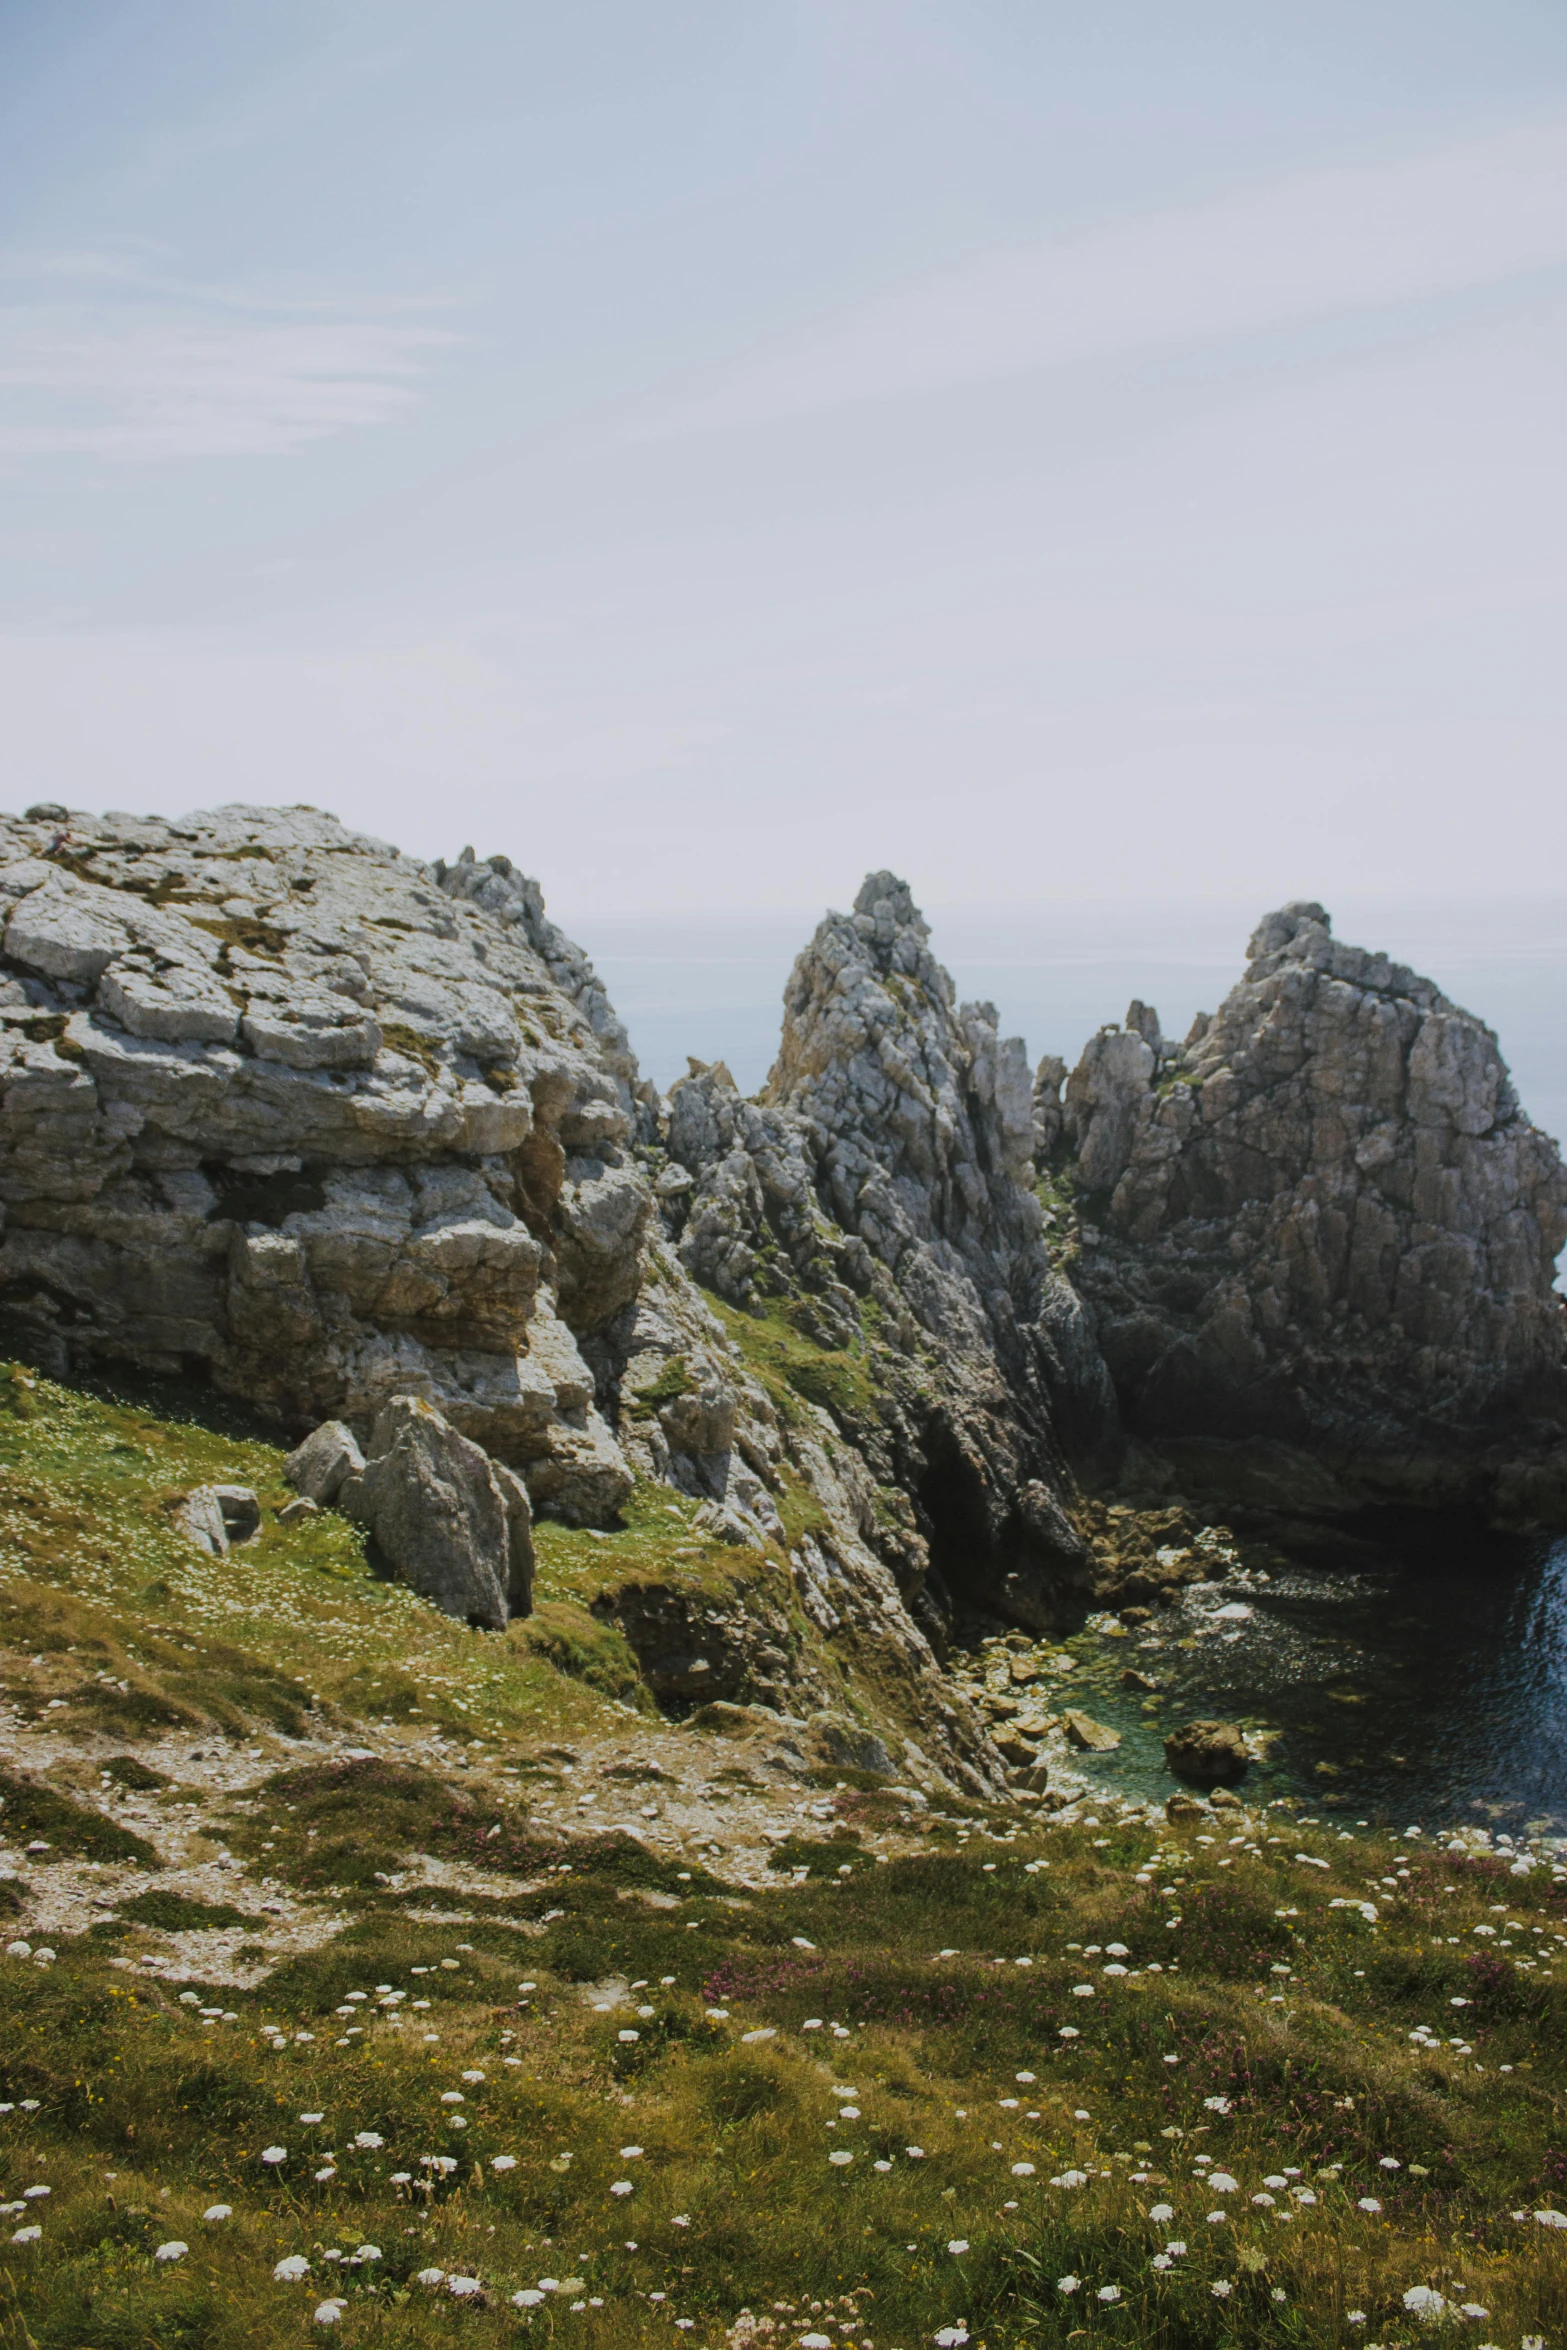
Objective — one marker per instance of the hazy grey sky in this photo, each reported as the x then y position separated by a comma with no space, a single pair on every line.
706,450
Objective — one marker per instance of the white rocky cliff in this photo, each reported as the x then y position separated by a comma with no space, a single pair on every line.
280,1113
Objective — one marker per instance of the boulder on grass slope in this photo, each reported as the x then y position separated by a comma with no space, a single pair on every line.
438,1512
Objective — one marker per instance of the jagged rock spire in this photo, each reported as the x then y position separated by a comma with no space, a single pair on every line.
1324,1217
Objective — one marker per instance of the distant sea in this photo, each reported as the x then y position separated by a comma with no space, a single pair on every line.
713,988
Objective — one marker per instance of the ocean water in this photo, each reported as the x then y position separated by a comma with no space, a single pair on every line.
1426,1687
713,988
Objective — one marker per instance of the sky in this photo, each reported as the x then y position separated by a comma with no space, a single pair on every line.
1065,454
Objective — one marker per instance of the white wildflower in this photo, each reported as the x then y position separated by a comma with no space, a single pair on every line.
1425,2304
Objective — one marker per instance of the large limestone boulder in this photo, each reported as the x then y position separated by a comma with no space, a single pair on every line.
1325,1219
447,1521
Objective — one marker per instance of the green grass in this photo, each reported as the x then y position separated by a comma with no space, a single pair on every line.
139,1633
1263,2027
168,1912
790,1364
147,2114
31,1811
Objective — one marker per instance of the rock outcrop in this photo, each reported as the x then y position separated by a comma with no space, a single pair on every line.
362,1141
878,1199
1325,1220
278,1109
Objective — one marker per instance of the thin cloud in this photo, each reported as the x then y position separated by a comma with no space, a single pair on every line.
1449,219
101,357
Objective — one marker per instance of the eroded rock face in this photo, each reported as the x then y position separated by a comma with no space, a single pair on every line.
284,1106
879,1198
1324,1219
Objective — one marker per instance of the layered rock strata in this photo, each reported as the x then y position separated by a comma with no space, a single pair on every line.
277,1110
1325,1220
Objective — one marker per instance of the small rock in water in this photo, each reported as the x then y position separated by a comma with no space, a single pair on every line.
1181,1806
1208,1751
1131,1678
1092,1736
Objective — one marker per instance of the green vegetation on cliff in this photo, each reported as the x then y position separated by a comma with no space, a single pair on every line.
486,2071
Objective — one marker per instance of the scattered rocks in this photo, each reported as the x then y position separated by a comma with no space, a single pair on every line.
241,1511
201,1515
1210,1752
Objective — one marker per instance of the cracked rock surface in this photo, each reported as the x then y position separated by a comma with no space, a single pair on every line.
878,1196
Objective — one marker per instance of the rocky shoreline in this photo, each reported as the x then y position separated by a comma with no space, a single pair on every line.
934,1341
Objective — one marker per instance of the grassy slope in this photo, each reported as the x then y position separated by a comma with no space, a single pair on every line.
147,2113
